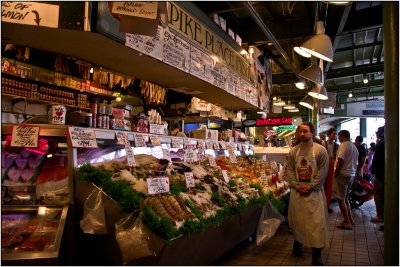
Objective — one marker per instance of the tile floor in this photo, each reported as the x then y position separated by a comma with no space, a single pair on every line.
361,246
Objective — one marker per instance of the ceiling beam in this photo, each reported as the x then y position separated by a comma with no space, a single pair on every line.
356,86
358,46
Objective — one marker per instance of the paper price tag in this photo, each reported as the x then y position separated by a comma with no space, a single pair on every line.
244,147
239,146
232,156
216,145
139,140
187,144
130,157
155,140
222,144
175,142
190,155
225,175
263,178
156,128
201,145
166,154
211,159
25,136
82,137
159,185
200,154
264,157
209,145
189,179
122,138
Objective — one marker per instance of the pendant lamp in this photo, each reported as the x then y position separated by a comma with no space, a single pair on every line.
293,110
307,102
319,92
312,73
289,106
279,102
320,45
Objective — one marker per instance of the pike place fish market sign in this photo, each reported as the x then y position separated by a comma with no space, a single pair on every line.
268,121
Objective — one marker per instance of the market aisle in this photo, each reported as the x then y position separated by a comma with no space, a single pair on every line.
361,246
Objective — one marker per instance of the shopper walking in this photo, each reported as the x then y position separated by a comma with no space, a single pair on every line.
307,208
332,148
378,169
362,154
345,171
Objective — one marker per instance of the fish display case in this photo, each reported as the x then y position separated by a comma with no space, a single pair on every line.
36,194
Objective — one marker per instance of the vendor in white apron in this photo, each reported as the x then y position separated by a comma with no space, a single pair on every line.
307,168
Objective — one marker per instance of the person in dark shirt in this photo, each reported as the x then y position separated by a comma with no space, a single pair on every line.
362,154
378,169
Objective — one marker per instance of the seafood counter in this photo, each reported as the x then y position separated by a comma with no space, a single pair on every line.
221,194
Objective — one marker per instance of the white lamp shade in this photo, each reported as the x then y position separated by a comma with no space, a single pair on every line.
279,102
307,102
293,110
289,105
300,85
312,73
319,92
301,52
320,45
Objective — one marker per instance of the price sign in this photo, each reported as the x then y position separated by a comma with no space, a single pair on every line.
25,136
263,178
155,140
156,128
176,142
139,140
216,145
251,148
222,144
122,138
201,145
211,159
264,157
190,155
82,137
200,154
166,154
189,179
187,143
209,145
244,147
130,157
225,175
232,156
240,146
158,185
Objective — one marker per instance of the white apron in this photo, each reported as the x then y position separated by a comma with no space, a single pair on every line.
307,216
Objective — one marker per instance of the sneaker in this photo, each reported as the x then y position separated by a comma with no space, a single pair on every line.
376,219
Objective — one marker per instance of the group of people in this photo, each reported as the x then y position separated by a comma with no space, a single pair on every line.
318,170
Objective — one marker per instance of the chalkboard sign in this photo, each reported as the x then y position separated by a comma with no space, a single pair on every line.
82,137
149,45
25,136
176,51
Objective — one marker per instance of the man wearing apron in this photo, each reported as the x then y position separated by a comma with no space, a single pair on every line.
307,168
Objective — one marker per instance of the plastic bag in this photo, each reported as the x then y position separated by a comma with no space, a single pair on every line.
268,224
94,219
135,240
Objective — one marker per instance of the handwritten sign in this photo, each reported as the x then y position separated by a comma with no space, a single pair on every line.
58,114
149,45
190,155
264,157
211,159
166,154
239,146
201,153
263,178
82,137
156,128
216,145
175,142
122,138
209,145
176,51
146,10
159,185
130,157
232,156
225,175
30,13
189,179
201,145
155,140
199,61
25,136
139,140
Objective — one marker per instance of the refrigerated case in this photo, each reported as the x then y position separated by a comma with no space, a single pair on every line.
36,198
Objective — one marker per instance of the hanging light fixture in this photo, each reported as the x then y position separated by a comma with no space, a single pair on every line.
365,78
279,102
301,51
350,95
312,73
293,110
307,102
300,85
319,92
289,106
320,45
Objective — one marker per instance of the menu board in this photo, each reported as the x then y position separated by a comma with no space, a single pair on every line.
218,75
199,62
232,81
149,45
176,51
242,88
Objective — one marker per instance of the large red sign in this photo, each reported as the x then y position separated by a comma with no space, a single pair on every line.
273,121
